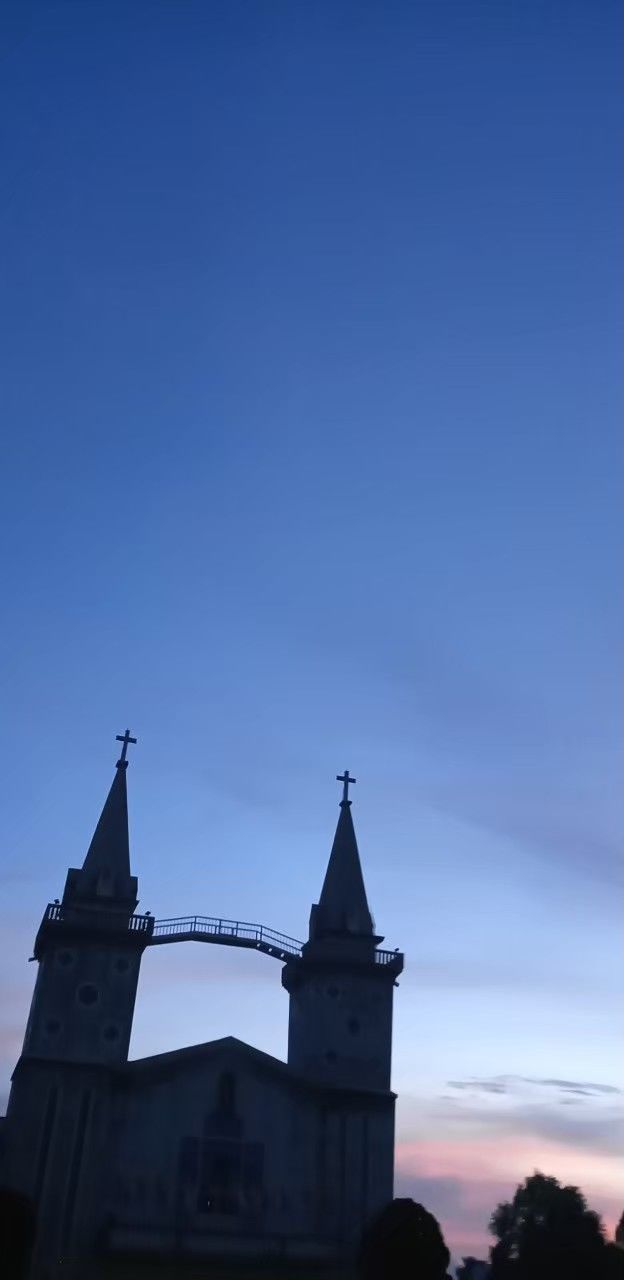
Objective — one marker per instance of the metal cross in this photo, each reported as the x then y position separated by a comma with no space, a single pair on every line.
125,739
346,780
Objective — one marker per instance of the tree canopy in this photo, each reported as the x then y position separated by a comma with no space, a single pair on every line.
403,1242
17,1231
546,1232
614,1263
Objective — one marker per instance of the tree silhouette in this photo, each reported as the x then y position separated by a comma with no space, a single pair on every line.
546,1232
17,1232
470,1268
613,1263
619,1231
403,1243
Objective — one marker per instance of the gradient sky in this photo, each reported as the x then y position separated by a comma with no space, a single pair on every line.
311,387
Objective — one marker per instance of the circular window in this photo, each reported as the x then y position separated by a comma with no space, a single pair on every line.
87,993
333,992
52,1027
65,958
122,964
354,1026
330,1056
111,1032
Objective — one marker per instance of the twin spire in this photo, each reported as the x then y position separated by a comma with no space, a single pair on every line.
105,879
110,843
343,907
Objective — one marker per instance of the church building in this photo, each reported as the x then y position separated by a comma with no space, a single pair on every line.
216,1159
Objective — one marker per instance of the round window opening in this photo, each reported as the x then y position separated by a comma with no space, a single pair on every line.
330,1056
354,1026
111,1033
65,958
333,992
87,993
52,1027
122,965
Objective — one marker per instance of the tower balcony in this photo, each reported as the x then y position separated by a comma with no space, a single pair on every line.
67,922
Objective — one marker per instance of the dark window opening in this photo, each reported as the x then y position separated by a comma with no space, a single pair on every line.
122,964
226,1094
353,1026
333,992
111,1032
52,1027
87,993
330,1056
65,958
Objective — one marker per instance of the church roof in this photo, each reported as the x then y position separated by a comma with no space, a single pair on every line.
138,1070
343,906
208,1049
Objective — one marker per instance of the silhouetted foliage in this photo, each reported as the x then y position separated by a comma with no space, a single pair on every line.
613,1263
619,1231
17,1233
547,1232
403,1243
472,1269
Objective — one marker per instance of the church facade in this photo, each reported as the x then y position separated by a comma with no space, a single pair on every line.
217,1153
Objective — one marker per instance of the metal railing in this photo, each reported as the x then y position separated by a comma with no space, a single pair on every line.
230,932
75,913
233,933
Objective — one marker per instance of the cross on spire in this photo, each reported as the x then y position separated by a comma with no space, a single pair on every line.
347,781
125,739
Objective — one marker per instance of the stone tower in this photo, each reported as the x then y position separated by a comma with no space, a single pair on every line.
88,955
340,1024
89,950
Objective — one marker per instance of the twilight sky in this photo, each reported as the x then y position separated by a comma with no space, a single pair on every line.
312,392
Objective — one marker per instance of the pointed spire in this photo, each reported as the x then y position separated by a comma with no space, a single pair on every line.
105,878
109,851
343,906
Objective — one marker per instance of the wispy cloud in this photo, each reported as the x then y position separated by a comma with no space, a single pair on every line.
510,1084
481,1086
583,1114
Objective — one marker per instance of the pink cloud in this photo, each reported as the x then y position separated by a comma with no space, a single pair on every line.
462,1181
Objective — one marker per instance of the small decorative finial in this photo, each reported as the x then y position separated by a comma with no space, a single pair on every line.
346,780
125,739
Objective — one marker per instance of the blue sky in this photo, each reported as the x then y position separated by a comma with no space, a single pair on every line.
312,392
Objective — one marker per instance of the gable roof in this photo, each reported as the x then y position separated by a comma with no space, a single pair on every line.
196,1053
139,1070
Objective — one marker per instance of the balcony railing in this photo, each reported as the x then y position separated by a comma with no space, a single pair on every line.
228,932
232,933
62,913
